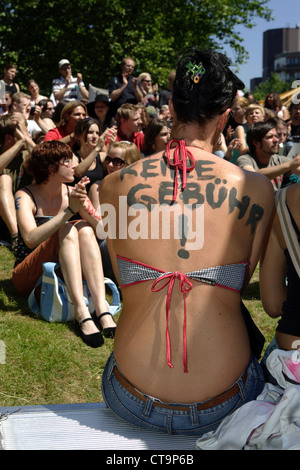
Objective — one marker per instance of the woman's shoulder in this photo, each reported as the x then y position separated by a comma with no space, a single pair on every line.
77,155
250,181
49,123
260,186
240,129
28,190
293,195
26,197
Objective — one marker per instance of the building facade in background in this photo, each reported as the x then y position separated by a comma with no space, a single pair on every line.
281,54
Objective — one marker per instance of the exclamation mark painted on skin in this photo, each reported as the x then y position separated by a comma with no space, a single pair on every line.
183,228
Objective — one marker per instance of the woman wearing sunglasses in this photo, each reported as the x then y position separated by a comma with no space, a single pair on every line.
119,155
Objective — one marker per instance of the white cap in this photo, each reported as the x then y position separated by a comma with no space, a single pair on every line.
63,62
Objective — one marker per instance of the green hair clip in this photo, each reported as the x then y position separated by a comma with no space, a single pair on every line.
196,71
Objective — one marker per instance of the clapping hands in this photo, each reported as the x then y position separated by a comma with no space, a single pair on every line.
78,194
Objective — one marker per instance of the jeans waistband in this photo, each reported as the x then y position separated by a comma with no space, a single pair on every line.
218,400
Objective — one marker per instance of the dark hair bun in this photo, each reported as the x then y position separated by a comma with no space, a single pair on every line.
211,93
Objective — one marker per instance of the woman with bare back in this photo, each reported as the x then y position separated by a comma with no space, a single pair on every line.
183,250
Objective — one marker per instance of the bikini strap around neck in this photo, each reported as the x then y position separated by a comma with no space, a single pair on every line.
179,161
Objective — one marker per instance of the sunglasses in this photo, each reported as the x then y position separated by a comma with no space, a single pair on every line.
66,162
115,161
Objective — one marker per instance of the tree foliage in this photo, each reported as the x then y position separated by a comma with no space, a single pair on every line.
96,34
273,84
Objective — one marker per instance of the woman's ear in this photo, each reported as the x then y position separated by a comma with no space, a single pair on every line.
224,118
52,169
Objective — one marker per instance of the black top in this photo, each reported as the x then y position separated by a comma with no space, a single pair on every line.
94,175
164,97
290,320
295,129
127,96
11,88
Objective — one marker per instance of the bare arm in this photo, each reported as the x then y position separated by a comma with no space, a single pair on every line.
137,91
31,233
84,165
94,194
234,144
82,89
277,170
290,165
263,227
91,213
115,94
21,128
7,156
61,93
240,134
41,122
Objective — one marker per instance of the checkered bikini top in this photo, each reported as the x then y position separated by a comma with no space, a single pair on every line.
229,276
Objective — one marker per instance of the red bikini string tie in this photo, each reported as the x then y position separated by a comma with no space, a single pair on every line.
180,156
185,286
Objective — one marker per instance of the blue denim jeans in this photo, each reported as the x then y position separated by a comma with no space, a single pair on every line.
192,422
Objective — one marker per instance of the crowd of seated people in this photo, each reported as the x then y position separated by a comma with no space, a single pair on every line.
103,136
131,122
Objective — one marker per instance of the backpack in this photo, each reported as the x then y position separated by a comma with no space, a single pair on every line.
54,303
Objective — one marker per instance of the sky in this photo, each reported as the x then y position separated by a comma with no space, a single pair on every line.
286,14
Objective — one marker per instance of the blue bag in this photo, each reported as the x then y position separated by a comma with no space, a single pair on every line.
55,304
115,305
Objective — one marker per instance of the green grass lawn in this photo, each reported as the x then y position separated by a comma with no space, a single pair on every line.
47,363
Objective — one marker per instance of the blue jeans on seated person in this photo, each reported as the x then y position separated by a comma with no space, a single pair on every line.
193,422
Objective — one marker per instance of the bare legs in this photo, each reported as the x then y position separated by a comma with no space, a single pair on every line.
7,204
79,254
92,270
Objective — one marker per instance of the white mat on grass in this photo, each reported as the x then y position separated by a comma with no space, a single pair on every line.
79,427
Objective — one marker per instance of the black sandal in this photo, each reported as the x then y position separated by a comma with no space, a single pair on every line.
94,340
107,332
